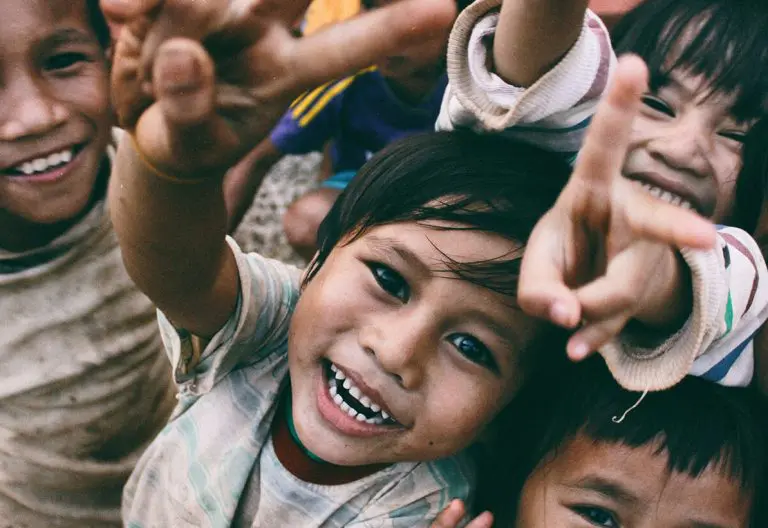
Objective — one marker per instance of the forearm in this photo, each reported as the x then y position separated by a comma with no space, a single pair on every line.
172,238
532,35
670,302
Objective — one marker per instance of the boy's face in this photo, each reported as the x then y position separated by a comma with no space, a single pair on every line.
54,109
392,359
688,145
590,483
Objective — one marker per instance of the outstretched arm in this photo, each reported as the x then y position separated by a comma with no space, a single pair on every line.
533,35
189,121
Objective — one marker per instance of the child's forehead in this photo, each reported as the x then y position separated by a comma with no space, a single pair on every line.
44,14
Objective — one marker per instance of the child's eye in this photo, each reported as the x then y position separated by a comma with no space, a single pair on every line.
734,135
64,61
474,350
390,281
597,516
658,105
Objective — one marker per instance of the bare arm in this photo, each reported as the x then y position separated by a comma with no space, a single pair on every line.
173,242
244,179
532,35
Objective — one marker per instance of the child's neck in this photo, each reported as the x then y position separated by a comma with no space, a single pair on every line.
303,465
19,235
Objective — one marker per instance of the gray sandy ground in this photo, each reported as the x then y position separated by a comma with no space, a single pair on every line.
262,227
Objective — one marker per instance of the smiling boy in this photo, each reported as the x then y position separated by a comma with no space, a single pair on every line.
82,383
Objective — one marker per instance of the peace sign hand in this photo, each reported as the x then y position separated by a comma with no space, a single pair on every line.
198,83
606,252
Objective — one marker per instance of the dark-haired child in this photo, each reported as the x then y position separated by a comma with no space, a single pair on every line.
692,455
694,143
83,387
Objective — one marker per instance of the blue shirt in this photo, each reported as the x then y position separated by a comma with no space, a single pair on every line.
360,114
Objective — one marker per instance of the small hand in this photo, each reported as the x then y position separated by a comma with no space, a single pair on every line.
607,251
452,515
198,83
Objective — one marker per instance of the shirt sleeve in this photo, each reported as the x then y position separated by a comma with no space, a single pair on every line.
553,113
258,327
730,304
311,120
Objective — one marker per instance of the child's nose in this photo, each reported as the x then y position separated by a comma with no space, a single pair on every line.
30,112
402,346
685,148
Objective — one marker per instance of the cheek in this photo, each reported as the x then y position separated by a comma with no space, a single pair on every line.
457,411
88,96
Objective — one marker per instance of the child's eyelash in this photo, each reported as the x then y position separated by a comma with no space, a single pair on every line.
390,280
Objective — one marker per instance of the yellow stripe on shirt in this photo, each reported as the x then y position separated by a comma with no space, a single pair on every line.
323,101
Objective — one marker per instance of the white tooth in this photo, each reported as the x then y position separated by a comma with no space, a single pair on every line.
384,415
686,205
333,392
54,159
375,408
355,392
347,384
377,420
371,420
27,168
345,407
340,375
360,417
655,191
40,164
334,368
66,156
337,399
365,400
352,413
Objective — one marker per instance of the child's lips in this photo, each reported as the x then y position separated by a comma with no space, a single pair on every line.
340,419
53,172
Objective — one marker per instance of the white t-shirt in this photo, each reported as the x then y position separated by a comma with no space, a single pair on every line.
214,465
84,385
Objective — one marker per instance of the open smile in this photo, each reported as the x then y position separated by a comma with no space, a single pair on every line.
347,406
49,168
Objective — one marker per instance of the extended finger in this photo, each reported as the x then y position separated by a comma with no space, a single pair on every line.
654,219
451,516
122,11
542,291
605,145
484,520
593,336
354,44
128,97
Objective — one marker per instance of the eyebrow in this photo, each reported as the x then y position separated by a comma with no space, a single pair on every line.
607,487
386,245
68,36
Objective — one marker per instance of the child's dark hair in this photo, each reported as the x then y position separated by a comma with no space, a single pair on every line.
98,23
696,424
726,42
476,182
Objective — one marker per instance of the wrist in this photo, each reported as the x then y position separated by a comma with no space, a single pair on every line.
670,297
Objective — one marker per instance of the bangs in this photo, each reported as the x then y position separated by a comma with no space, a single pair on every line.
724,41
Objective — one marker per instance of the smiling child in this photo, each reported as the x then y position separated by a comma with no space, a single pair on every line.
84,387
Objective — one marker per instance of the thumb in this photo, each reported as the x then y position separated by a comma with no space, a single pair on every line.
184,133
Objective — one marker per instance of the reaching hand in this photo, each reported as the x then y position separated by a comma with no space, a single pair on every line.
452,515
197,83
606,252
